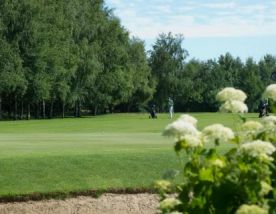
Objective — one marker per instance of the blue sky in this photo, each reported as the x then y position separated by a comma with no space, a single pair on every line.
245,28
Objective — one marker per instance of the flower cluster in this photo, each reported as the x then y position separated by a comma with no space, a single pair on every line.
265,188
252,126
248,209
162,185
217,163
185,132
184,129
270,92
169,203
190,141
258,149
245,170
234,106
233,100
231,94
189,119
217,133
269,121
179,129
250,129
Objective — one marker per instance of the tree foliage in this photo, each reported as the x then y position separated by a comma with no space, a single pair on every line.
193,84
73,55
67,57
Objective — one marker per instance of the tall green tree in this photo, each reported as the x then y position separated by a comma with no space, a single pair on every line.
167,61
251,84
267,66
142,81
12,81
87,21
114,84
229,68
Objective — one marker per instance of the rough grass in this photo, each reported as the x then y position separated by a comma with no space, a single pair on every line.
119,151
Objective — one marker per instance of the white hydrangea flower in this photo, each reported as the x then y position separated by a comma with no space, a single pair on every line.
269,121
265,158
217,132
251,209
189,119
258,148
270,92
251,126
218,163
179,129
230,93
191,141
169,203
265,188
162,185
234,106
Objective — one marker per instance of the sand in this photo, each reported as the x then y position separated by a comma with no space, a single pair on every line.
106,204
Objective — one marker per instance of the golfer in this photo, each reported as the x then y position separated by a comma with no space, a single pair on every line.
170,104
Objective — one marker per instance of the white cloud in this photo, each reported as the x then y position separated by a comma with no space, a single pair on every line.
222,5
147,19
163,8
252,9
151,30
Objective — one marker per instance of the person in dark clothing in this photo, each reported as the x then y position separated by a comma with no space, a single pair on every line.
266,107
153,112
263,108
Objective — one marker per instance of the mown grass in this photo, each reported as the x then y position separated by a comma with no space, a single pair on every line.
112,151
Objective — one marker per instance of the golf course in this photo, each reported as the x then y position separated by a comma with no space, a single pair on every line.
114,151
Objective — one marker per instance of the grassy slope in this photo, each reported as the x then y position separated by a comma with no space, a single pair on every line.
111,151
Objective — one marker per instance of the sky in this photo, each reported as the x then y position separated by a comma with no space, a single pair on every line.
245,28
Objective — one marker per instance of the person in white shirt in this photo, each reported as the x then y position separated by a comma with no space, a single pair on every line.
170,104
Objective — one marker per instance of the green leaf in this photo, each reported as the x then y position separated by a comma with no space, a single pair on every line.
212,154
244,167
206,174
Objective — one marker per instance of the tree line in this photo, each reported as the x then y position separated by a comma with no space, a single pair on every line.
70,57
66,56
194,84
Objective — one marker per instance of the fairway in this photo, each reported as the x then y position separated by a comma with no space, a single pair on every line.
75,154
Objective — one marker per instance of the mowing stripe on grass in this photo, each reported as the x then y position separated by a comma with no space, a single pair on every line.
119,151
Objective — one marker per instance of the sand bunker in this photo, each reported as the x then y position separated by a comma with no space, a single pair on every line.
106,204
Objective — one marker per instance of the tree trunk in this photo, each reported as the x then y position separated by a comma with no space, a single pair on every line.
15,108
95,110
79,109
0,108
51,109
128,107
37,111
76,109
22,110
43,109
63,109
10,109
29,111
111,109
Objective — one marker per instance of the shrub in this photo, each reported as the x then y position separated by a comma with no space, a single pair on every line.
241,180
